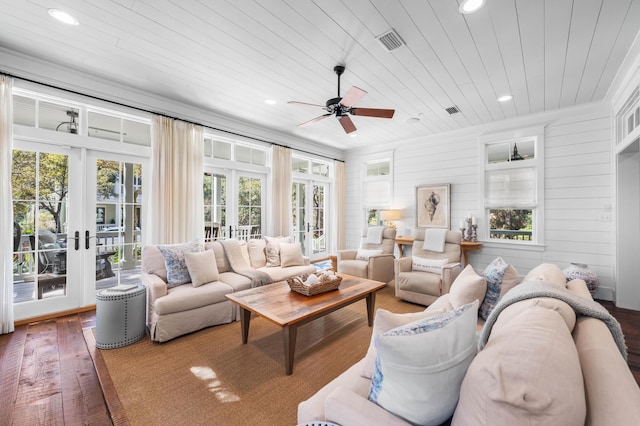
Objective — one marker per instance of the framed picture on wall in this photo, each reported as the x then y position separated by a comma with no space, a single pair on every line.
100,214
433,206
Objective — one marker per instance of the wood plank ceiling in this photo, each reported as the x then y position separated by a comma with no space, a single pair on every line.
229,56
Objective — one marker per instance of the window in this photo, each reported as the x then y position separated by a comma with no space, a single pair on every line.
217,148
512,186
377,182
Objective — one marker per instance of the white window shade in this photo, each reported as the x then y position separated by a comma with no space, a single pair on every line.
510,188
376,194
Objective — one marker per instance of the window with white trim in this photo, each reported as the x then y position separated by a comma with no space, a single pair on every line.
377,184
512,186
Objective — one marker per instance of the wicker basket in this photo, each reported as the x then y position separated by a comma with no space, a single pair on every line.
297,284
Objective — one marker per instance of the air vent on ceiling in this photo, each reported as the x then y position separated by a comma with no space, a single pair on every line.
452,110
390,40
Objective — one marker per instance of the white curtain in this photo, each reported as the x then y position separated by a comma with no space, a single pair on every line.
6,212
341,238
175,212
281,185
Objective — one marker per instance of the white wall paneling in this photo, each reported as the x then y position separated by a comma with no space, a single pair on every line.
579,191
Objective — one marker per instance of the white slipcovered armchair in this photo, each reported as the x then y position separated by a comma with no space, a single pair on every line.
372,260
428,274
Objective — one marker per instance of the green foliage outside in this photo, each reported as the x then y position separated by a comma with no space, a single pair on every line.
518,220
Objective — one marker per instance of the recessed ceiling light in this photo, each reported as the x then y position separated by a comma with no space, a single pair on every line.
63,17
269,101
505,98
470,6
353,135
412,120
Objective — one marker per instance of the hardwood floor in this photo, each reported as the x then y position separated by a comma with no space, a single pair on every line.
47,375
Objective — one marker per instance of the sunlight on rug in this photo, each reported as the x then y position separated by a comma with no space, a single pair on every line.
215,386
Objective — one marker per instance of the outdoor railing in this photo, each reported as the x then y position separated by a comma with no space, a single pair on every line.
508,234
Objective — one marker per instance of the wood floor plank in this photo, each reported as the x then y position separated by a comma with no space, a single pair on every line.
82,398
11,350
39,399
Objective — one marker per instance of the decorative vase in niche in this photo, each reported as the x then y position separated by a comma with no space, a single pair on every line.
582,271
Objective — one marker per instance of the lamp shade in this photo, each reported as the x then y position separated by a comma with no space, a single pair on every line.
390,214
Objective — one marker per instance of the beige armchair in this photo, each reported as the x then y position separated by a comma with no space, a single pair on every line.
378,267
425,287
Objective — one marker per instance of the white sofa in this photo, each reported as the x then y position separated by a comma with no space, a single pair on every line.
542,364
174,311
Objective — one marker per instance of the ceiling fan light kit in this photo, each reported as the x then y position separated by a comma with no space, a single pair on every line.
342,107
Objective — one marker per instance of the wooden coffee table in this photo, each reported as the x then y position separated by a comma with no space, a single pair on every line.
288,309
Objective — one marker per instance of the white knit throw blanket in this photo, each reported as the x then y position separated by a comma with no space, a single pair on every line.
239,264
581,305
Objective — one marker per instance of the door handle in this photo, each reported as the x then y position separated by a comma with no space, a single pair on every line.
77,240
86,239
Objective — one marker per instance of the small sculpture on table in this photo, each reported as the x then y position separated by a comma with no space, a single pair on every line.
469,229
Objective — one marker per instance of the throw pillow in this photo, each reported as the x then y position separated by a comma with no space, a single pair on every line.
509,280
428,265
291,255
177,272
273,249
383,322
493,274
547,272
467,287
420,366
202,267
364,254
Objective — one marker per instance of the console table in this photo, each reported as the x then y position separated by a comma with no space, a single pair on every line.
465,246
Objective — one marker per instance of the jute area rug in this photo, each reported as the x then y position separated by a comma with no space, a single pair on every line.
209,377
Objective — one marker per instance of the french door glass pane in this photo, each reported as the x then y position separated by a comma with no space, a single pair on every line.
39,186
319,237
215,206
118,222
298,202
249,207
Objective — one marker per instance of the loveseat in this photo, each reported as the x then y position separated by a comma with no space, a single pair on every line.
174,310
539,363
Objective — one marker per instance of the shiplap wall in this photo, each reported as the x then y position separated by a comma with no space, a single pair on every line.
579,191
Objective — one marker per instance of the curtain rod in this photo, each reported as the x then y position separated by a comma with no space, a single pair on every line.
165,115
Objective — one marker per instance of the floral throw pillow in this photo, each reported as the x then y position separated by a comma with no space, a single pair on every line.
493,274
177,271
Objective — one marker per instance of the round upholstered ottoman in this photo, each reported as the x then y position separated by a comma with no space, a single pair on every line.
120,316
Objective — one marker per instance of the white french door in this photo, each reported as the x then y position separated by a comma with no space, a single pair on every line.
309,217
233,204
47,188
113,214
77,225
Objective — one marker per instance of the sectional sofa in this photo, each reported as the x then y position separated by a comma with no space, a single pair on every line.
539,362
176,310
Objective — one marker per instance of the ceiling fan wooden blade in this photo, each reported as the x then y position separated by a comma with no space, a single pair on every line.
353,96
347,124
315,120
373,112
304,104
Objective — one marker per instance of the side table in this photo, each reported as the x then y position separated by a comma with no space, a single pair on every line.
401,242
467,246
120,317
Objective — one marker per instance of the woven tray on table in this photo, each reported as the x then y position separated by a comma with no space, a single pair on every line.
297,284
